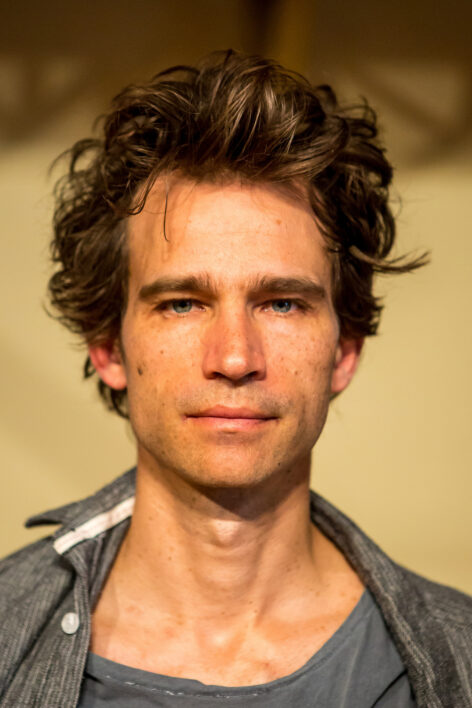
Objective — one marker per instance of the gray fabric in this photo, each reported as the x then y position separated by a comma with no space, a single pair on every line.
41,666
359,667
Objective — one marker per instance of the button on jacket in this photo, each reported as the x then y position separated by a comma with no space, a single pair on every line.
47,591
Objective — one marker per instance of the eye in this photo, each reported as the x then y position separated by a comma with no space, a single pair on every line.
181,306
282,306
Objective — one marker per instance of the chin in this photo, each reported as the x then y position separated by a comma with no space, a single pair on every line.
229,476
265,470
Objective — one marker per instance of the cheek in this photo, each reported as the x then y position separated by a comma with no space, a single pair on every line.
156,371
309,358
309,375
301,375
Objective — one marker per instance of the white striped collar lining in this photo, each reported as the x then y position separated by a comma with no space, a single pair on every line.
95,526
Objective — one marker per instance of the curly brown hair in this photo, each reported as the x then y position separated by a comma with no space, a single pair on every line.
236,115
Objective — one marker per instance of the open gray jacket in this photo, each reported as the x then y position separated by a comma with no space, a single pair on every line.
47,591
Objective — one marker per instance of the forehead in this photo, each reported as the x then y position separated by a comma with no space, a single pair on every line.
231,231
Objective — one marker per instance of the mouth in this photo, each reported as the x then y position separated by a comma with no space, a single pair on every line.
231,419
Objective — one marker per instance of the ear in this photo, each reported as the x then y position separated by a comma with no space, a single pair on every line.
107,360
348,352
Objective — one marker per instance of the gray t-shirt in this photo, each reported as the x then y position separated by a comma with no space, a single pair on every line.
358,667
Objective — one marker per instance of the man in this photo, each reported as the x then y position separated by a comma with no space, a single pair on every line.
215,250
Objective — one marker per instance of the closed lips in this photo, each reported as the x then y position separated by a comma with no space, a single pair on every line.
224,412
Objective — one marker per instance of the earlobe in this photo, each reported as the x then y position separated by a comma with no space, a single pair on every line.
107,360
346,360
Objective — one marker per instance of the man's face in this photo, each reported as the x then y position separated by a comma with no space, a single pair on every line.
230,340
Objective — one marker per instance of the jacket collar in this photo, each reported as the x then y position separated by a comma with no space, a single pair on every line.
90,516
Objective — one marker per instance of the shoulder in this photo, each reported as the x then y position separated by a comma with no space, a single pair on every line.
432,627
413,606
32,582
448,607
26,569
430,623
77,521
34,553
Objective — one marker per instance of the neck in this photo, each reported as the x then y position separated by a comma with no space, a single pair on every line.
212,555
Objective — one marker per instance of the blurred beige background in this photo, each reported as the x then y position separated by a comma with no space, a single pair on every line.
396,450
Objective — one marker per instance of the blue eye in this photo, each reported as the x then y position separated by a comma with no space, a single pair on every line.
282,305
181,306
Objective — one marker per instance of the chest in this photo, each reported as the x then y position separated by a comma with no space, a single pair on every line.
224,655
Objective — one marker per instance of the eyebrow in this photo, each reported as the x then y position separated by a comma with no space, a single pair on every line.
258,285
189,283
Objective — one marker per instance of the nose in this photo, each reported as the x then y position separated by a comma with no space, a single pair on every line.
234,349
